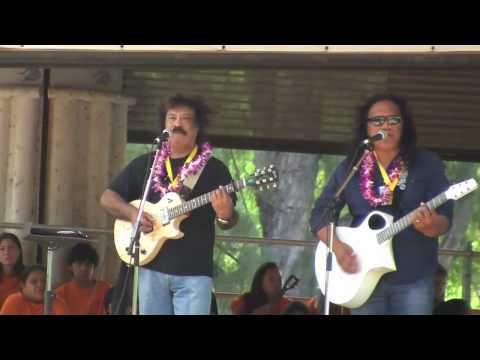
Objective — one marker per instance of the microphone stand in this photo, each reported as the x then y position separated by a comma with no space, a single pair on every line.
331,212
134,248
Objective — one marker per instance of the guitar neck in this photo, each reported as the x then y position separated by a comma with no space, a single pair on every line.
202,200
406,221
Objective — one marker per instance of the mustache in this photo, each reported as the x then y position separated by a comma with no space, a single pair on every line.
179,130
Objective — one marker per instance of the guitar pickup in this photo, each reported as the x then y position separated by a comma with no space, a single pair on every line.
163,215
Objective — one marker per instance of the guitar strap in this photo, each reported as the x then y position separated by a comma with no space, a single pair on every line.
397,202
190,182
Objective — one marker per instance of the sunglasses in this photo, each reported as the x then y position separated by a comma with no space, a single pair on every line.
390,120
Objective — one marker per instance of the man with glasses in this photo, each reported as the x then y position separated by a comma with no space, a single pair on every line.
395,178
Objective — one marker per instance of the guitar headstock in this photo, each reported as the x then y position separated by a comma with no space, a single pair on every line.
264,178
459,190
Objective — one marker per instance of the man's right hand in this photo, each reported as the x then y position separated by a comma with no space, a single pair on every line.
346,258
146,222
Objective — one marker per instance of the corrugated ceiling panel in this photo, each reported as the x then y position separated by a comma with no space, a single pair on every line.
313,105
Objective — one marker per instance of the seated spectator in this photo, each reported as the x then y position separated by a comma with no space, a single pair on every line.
265,296
11,265
29,301
83,294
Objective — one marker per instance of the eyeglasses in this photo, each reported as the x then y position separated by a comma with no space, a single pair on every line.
380,120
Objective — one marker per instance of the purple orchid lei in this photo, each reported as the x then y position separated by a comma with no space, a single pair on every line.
160,180
367,183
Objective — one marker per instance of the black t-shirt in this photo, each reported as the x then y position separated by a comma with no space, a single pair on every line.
192,254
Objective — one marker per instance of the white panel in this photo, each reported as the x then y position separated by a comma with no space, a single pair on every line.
172,47
66,47
118,47
379,48
330,48
453,48
276,48
256,48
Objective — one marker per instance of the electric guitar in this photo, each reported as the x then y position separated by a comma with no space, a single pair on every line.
171,210
371,241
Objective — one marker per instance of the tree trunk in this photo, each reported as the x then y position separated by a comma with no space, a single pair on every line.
285,212
455,238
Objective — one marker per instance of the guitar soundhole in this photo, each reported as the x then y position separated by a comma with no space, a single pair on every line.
376,222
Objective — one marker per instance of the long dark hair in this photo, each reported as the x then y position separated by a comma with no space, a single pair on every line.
18,268
256,297
197,104
408,140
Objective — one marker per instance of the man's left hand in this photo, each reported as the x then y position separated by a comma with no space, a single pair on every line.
429,222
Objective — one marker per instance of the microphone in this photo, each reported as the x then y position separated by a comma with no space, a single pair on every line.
163,137
377,137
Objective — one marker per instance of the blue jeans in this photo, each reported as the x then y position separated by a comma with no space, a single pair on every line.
163,294
400,299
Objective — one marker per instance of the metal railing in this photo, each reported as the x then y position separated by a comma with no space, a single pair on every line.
468,255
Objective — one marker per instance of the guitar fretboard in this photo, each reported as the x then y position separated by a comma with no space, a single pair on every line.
406,221
202,200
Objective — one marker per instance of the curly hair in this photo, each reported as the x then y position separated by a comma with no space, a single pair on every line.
197,104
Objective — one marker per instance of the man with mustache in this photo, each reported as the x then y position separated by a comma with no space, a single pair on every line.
179,279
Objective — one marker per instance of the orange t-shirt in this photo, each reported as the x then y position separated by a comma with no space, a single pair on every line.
17,304
8,286
84,301
237,306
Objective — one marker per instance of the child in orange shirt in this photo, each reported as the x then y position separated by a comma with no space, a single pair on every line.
265,296
83,294
29,301
11,265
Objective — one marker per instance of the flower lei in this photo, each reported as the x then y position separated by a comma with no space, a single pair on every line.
160,180
367,179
